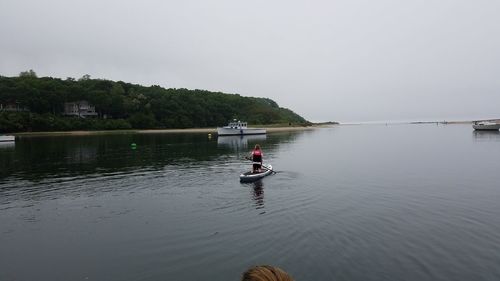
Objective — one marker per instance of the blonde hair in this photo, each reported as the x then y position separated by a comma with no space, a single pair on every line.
265,273
257,147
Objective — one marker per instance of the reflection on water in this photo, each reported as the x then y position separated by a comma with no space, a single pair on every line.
36,158
7,145
486,136
258,194
239,143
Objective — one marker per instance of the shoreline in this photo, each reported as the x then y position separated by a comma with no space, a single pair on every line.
154,131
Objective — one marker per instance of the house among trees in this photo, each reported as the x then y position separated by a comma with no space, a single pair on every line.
80,108
12,106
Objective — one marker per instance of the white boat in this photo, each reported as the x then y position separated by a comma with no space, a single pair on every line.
486,126
239,128
7,138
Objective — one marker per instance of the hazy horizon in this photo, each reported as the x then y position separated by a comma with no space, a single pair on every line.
346,61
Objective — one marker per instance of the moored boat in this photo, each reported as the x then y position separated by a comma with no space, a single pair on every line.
7,138
251,176
486,126
239,128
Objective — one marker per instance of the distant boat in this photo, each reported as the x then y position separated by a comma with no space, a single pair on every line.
239,128
486,126
7,138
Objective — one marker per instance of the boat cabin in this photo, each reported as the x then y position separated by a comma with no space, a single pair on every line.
237,125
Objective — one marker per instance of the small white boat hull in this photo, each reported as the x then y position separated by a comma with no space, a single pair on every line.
486,127
223,131
250,176
7,138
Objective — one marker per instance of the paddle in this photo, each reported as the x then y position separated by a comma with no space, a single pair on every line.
265,167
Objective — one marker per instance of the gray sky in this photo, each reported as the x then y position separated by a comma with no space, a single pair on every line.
349,60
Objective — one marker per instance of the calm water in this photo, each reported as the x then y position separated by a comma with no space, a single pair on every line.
402,202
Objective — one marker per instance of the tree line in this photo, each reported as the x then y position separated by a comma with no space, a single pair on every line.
120,105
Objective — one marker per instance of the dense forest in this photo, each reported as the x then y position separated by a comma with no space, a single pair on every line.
29,103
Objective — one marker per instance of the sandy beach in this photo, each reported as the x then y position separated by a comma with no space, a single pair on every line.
160,131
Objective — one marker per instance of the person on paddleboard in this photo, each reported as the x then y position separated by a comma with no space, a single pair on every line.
257,159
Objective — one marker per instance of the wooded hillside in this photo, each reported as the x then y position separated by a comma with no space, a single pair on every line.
29,103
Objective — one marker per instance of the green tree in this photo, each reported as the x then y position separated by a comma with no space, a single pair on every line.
30,74
128,105
85,77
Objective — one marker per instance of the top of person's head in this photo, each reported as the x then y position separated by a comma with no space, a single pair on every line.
265,273
257,146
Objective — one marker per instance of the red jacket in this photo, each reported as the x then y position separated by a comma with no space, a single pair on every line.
257,155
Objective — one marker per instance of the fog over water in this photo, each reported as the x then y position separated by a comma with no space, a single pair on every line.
344,61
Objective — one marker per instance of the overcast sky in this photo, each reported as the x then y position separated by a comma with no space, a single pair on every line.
348,60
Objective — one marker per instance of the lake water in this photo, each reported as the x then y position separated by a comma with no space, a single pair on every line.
374,202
